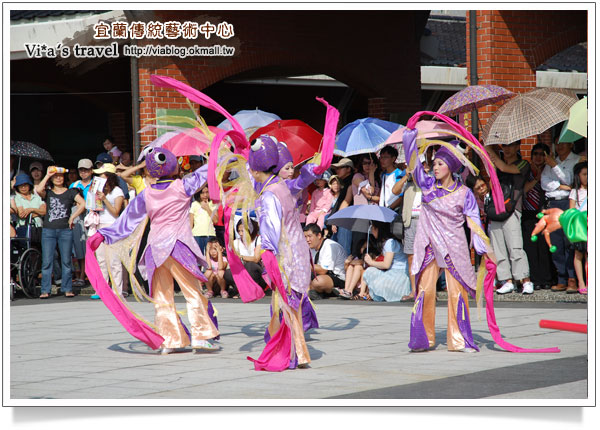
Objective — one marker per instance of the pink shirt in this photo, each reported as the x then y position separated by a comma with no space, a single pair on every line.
321,201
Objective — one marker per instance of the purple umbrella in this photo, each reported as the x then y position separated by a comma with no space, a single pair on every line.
472,97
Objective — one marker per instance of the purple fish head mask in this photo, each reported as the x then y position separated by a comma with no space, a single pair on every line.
263,154
285,156
160,162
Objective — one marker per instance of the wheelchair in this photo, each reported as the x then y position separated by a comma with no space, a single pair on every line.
26,260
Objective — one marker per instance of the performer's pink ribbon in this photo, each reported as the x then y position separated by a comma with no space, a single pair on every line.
495,184
331,121
134,326
276,354
488,285
249,290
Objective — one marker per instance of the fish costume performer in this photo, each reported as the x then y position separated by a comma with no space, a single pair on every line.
440,243
285,255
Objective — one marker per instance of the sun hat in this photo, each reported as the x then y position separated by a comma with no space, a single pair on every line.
85,163
344,162
106,167
22,178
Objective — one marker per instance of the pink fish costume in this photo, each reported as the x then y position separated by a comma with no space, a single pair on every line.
440,243
285,252
171,253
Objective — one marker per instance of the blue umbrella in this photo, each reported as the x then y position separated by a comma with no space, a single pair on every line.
250,120
363,136
359,217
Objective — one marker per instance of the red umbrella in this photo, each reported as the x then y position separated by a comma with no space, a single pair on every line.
301,139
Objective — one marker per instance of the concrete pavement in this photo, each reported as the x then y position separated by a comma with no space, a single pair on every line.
75,350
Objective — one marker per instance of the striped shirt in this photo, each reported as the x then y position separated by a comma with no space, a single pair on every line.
534,199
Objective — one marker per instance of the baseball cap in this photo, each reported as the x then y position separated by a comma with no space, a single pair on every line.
344,162
106,167
104,157
85,163
36,165
196,158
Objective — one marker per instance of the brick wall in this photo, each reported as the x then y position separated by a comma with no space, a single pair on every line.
353,47
511,44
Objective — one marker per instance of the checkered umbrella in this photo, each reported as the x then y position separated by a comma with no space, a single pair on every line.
528,115
472,97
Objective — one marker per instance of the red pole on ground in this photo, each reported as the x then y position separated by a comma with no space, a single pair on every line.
559,325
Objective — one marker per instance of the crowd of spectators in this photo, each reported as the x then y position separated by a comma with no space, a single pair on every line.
65,211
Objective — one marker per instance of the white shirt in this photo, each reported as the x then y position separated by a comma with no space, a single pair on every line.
105,216
561,174
332,257
246,251
387,197
580,198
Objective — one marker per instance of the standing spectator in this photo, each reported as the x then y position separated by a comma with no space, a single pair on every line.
36,170
13,172
328,257
196,161
72,176
84,167
320,202
105,158
202,216
136,180
112,149
386,280
57,228
557,178
392,179
506,236
538,254
343,170
112,199
578,199
125,159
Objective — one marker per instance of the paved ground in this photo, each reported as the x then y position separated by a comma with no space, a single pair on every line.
75,349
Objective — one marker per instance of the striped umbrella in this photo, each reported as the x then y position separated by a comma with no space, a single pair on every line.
472,97
528,115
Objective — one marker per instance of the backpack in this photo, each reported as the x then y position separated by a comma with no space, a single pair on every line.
510,202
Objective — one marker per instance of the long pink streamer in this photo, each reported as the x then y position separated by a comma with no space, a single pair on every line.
331,121
276,354
495,184
134,326
488,285
249,290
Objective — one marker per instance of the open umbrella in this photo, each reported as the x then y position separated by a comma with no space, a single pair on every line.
472,97
527,115
576,127
302,140
363,136
250,120
360,217
28,149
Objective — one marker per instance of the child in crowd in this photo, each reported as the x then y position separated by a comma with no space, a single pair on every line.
217,263
578,199
112,149
320,203
202,217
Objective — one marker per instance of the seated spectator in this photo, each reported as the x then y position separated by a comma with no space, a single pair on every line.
27,203
112,149
217,264
506,235
57,228
386,280
355,268
203,214
328,257
250,256
320,202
